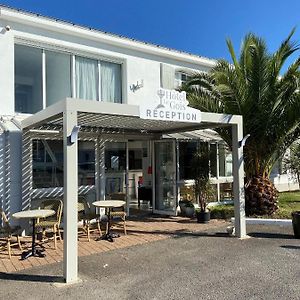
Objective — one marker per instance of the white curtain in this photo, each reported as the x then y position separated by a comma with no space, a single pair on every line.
110,82
86,78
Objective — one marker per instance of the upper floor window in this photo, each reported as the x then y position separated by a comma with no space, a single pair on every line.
58,77
98,80
28,79
44,77
180,78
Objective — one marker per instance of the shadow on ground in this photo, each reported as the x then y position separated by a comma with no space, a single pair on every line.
269,235
293,247
31,278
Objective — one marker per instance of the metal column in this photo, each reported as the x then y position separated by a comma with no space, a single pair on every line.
238,180
70,198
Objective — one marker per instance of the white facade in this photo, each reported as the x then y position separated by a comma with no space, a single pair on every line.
152,65
32,49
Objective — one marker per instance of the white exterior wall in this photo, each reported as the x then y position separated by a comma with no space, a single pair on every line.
6,71
136,65
140,61
285,182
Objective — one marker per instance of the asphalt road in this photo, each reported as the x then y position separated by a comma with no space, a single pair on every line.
206,266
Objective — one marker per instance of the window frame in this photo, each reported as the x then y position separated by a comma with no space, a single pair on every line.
73,52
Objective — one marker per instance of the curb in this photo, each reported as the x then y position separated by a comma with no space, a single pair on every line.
256,221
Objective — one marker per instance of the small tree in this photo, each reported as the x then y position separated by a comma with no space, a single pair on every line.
293,161
200,171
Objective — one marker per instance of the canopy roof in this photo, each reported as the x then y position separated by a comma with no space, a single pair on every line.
95,116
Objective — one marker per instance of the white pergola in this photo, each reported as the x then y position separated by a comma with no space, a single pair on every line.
100,117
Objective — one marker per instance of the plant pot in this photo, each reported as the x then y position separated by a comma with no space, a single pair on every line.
182,208
189,211
296,223
203,216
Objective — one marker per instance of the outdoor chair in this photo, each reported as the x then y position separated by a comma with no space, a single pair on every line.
86,215
119,213
51,223
7,233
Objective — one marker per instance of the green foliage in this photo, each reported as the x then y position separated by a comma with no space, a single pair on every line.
222,212
293,161
254,86
288,202
189,204
200,171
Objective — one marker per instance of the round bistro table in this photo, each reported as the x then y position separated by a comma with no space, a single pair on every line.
109,204
33,214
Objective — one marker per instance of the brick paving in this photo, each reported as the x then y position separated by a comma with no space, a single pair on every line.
138,232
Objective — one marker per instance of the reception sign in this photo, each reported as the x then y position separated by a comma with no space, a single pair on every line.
170,105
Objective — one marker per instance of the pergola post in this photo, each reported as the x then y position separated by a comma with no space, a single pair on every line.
70,198
26,169
238,180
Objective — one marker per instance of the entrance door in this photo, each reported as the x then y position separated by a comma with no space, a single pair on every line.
165,187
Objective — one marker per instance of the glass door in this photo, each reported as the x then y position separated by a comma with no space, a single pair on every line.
165,188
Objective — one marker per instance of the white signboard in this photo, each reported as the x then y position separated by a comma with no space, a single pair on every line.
170,105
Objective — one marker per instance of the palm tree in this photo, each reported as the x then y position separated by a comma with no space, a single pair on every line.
255,86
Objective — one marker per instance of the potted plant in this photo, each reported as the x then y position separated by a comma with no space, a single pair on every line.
189,209
202,185
292,162
296,223
203,191
182,203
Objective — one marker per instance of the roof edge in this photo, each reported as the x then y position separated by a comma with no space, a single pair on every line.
18,15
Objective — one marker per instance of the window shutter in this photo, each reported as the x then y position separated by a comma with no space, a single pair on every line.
167,76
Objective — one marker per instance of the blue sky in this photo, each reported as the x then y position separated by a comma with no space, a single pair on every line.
196,26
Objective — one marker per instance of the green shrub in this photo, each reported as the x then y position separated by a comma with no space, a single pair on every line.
221,212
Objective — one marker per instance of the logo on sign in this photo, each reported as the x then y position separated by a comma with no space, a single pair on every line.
170,105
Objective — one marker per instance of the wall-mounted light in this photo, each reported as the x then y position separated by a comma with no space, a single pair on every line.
74,134
243,141
5,29
136,86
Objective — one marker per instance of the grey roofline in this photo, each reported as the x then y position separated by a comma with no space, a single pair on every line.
29,13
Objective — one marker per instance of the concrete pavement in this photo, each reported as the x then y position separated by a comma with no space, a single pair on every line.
207,265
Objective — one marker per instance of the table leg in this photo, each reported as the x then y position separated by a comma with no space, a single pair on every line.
108,236
33,252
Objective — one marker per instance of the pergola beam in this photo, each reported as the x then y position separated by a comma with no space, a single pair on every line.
68,110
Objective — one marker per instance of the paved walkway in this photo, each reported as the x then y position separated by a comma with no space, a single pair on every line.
138,232
207,264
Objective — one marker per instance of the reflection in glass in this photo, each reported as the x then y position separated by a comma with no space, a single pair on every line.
28,79
165,176
58,77
115,167
47,165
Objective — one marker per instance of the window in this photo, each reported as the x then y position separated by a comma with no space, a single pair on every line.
213,160
86,71
186,153
115,156
181,78
28,79
58,77
110,82
225,161
38,70
47,166
86,163
88,81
